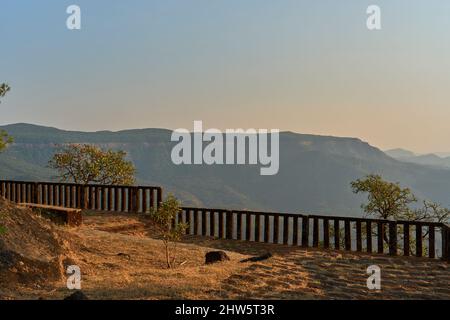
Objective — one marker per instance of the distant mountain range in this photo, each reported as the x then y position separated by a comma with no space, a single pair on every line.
314,176
430,159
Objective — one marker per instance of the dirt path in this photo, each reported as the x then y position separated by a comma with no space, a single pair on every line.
304,274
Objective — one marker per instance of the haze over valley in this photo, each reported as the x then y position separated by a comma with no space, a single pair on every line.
314,176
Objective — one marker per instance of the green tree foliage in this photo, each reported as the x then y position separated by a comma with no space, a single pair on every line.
4,88
84,163
386,200
429,212
4,138
164,218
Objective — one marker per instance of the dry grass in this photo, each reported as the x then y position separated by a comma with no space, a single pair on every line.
121,257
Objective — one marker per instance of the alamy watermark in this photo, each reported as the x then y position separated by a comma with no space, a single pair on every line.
73,22
374,19
374,280
74,278
234,146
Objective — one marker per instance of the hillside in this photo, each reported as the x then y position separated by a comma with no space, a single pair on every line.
33,252
315,171
424,159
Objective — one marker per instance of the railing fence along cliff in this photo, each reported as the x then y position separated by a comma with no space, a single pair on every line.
94,197
407,238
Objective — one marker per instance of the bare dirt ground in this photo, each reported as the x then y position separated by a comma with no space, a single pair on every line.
121,258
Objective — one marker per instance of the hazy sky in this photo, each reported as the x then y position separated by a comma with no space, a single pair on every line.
305,66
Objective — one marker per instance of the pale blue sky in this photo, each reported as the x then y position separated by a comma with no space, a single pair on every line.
306,66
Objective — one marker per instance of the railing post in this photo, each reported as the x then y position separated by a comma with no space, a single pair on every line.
61,191
337,234
326,233
134,199
276,228
123,200
83,198
130,199
212,224
105,198
266,229
137,196
393,238
380,236
110,199
295,231
195,221
315,232
448,244
369,236
188,221
431,240
347,235
204,223
35,193
144,200
229,233
98,198
221,224
305,231
286,230
257,227
406,246
358,236
445,243
419,248
159,198
239,225
248,226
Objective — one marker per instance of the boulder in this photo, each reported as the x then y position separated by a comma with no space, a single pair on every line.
216,256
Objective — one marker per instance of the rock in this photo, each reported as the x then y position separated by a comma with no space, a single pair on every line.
77,295
216,256
258,258
124,255
8,258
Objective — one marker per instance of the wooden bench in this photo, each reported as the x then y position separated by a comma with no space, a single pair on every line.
68,216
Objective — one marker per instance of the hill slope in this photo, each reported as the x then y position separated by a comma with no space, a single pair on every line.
424,159
314,176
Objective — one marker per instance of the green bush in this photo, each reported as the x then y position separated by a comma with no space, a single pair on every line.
164,218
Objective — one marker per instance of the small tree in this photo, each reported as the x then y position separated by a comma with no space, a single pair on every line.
386,200
164,218
4,138
429,212
84,163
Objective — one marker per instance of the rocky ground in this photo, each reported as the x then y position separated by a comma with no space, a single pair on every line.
121,258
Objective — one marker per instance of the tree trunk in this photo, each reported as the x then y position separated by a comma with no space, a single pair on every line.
168,257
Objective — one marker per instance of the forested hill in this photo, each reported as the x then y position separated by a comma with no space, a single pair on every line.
314,176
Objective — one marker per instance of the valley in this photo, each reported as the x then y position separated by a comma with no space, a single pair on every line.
314,171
